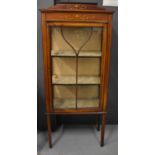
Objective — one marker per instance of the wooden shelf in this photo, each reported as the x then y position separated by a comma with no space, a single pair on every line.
71,103
56,79
72,54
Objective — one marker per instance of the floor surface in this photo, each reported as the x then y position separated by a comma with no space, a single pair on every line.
79,140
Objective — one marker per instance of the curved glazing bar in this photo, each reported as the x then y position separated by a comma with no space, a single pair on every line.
70,44
77,53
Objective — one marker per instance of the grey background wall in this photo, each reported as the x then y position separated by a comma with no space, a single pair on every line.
112,115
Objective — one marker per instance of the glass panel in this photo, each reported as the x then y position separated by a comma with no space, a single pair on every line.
76,36
88,96
88,71
64,70
64,97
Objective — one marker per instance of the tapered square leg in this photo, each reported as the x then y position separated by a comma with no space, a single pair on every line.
98,122
49,124
103,129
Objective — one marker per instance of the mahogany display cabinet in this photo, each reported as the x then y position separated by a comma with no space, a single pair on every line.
76,52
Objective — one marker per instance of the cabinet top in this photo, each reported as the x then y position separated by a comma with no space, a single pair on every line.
77,8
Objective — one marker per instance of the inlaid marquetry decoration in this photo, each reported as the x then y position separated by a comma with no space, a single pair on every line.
79,16
77,7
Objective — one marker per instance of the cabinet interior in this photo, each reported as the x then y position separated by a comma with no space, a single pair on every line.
76,60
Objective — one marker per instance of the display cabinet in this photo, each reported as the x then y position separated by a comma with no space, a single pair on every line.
76,52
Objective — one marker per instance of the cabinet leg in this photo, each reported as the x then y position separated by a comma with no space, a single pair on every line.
49,123
103,129
98,122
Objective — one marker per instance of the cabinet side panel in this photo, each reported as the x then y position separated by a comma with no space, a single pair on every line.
106,79
103,61
45,60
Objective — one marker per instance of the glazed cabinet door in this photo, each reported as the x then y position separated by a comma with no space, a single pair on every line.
77,66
